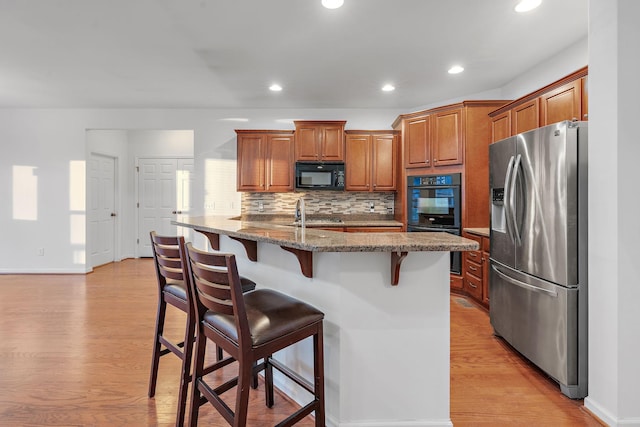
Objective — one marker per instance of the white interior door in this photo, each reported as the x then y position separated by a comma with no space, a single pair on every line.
164,191
102,213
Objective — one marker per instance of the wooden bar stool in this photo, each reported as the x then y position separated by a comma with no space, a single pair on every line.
249,327
172,289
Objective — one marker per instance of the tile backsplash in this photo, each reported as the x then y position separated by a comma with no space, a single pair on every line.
318,202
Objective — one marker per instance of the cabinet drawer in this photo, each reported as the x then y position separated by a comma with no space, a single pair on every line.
473,286
473,268
474,256
473,237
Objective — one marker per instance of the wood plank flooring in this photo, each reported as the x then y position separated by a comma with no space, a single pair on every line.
75,351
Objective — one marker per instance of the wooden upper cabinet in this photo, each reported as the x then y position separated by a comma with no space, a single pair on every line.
564,99
319,141
446,142
251,152
279,163
357,162
385,160
371,161
525,117
417,135
585,98
265,161
501,126
563,103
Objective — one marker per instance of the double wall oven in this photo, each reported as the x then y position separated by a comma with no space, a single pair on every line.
434,205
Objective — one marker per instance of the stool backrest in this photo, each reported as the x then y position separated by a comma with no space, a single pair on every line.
216,286
166,253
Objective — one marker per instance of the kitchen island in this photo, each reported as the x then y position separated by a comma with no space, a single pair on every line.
386,347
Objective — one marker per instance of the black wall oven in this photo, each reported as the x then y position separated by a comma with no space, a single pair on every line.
434,205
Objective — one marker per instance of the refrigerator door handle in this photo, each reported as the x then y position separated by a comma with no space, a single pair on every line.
507,184
512,205
524,285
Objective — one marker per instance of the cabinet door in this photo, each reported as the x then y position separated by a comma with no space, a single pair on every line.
485,278
501,126
585,98
525,117
251,153
447,138
307,143
358,162
416,140
279,163
384,160
332,143
563,103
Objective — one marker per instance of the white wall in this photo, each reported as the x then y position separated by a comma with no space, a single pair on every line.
614,230
48,148
564,63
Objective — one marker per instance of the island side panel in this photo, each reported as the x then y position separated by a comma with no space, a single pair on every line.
386,347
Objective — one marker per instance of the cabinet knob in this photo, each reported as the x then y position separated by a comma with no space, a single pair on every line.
585,116
435,160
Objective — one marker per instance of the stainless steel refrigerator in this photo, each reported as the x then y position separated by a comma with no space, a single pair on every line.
538,264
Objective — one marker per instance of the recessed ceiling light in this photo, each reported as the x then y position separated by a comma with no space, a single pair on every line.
275,87
332,4
527,5
455,69
388,88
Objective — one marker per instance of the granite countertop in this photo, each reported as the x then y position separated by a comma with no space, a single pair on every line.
315,240
484,232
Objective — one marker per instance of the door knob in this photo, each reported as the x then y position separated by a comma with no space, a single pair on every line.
176,212
113,214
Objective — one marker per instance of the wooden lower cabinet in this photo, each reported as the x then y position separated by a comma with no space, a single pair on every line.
475,266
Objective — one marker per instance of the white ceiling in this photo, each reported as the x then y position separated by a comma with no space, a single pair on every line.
225,53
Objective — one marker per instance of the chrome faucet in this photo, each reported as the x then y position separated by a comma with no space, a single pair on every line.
300,215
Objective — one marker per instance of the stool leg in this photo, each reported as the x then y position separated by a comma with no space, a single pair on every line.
218,353
242,398
318,373
187,353
268,382
155,357
198,369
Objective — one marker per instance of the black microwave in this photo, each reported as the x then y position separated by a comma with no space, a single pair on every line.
319,176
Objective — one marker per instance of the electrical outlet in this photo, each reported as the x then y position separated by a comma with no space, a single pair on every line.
40,251
371,207
260,207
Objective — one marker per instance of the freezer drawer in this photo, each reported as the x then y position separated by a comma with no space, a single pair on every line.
538,318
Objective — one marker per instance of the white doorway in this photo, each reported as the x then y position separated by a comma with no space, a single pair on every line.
164,193
102,208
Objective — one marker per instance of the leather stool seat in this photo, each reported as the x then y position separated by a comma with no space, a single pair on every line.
270,315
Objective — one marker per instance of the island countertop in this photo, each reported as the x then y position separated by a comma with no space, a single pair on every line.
315,240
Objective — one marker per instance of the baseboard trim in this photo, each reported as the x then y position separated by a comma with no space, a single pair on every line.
43,271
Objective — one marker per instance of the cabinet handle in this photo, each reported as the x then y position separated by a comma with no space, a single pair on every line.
435,160
473,268
585,116
471,284
473,255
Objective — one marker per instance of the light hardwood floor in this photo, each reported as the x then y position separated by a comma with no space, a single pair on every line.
75,351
